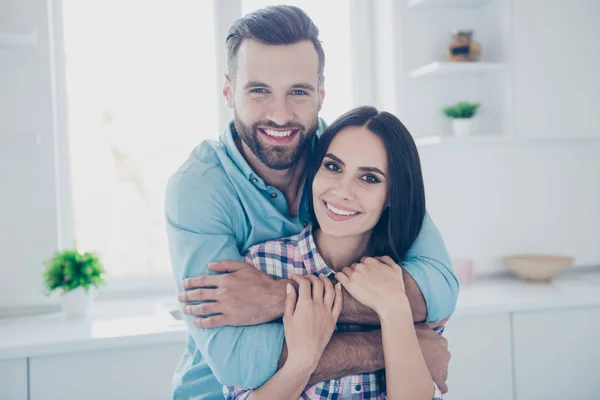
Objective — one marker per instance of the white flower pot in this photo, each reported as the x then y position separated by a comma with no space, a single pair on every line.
462,127
76,303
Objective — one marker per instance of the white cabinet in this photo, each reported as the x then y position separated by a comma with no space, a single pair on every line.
557,354
480,367
143,372
13,379
556,68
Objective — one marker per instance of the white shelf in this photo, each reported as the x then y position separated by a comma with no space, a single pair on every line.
432,140
448,3
438,68
9,40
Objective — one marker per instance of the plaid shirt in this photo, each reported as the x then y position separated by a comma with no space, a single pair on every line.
299,255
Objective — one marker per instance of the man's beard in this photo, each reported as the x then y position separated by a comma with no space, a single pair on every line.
275,157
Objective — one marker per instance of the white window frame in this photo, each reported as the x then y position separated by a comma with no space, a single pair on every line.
225,12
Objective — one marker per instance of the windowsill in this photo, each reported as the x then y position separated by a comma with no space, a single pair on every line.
111,324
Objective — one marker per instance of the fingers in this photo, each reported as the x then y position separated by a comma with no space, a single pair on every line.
317,288
214,321
342,277
200,281
330,293
303,287
290,301
197,295
337,303
387,260
227,266
202,309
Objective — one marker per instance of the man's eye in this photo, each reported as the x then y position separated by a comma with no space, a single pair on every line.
332,167
370,178
298,92
258,90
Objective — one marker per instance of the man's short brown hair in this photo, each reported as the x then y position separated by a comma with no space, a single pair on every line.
274,25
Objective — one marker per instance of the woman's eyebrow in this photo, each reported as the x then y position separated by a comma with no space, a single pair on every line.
368,169
372,169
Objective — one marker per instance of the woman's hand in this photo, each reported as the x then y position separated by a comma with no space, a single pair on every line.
309,319
376,282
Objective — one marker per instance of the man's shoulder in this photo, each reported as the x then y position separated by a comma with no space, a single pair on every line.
203,173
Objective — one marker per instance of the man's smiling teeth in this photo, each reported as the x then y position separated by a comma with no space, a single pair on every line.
271,132
338,211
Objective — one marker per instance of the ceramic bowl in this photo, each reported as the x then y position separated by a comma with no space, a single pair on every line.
537,267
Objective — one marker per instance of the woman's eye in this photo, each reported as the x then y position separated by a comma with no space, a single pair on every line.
370,178
332,167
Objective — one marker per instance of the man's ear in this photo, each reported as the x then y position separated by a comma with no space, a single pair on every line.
321,93
228,91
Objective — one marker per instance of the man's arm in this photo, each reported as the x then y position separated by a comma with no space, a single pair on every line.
428,263
348,353
357,313
199,232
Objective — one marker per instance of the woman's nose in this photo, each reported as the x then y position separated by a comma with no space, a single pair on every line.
343,190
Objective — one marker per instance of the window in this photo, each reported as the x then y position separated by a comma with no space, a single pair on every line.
333,20
141,86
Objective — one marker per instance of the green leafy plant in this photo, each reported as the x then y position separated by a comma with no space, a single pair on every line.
69,269
463,109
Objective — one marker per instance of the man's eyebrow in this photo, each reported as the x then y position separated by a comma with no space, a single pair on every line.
306,86
368,169
255,84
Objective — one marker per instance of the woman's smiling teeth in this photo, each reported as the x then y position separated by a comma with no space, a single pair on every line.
338,211
278,134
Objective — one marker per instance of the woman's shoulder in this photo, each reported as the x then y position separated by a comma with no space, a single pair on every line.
275,257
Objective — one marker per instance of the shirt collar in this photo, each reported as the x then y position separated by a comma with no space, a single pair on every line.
311,258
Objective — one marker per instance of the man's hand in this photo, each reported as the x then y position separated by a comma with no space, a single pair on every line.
241,296
435,352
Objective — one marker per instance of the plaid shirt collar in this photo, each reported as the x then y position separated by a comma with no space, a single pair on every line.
311,258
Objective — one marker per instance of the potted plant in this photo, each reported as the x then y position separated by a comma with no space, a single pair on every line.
74,274
462,114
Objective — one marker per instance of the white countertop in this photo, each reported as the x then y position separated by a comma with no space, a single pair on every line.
146,321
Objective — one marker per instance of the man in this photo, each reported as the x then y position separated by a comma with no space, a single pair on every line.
247,189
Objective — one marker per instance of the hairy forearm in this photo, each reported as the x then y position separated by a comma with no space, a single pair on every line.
348,353
354,312
288,383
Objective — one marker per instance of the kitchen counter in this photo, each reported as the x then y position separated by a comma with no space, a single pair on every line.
147,321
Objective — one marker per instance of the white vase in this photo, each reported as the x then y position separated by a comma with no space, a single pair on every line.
462,127
76,303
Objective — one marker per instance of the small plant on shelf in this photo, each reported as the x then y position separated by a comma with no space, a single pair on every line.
74,273
462,110
461,115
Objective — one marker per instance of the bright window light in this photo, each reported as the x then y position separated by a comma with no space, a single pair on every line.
141,95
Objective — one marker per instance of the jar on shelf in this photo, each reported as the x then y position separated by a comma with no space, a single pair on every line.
463,47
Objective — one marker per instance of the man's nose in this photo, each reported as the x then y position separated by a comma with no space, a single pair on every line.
281,112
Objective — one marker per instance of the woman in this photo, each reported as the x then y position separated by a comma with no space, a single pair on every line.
368,205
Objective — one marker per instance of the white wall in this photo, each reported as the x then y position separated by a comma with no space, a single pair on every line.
28,200
525,196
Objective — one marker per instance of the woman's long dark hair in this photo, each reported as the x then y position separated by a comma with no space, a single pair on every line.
401,222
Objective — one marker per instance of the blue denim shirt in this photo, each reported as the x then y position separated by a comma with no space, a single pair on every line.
216,208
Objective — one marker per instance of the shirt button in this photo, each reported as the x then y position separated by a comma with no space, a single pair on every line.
305,224
273,195
255,180
357,388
